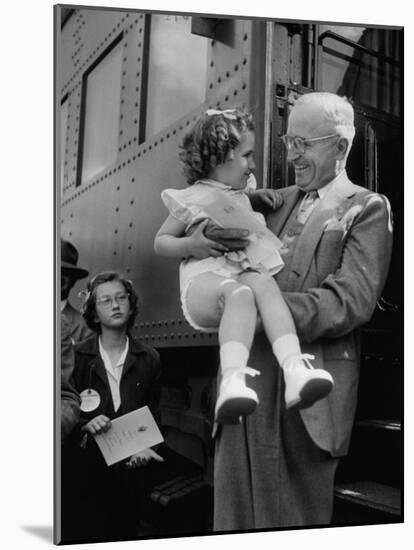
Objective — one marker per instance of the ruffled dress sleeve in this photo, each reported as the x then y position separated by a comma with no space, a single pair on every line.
181,205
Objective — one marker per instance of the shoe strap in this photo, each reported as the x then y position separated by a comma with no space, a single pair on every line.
241,370
292,361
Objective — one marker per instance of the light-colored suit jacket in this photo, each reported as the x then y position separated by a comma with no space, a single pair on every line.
337,274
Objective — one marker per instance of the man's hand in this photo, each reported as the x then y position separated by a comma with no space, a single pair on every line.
97,425
268,197
200,246
231,238
141,459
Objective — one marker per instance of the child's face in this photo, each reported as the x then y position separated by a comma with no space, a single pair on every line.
112,305
235,171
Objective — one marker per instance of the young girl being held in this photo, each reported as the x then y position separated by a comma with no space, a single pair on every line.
225,290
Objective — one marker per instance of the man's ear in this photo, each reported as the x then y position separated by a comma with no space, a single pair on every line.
342,148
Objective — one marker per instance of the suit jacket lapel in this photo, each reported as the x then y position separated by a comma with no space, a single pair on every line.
91,348
277,220
333,205
130,360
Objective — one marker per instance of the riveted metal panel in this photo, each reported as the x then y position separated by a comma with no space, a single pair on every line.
113,217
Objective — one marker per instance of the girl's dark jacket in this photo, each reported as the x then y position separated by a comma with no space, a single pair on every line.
139,384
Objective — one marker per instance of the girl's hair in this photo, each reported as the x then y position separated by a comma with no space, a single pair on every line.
212,140
89,296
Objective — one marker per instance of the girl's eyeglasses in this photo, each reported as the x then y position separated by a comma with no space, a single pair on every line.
106,301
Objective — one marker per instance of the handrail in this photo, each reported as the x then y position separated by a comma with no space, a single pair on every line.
348,42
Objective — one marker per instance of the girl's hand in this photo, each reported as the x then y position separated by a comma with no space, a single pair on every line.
269,197
97,425
141,459
200,247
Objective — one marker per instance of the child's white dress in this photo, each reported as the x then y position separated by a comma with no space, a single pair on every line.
191,205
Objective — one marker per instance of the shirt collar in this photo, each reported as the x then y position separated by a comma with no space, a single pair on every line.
63,305
105,356
214,183
323,191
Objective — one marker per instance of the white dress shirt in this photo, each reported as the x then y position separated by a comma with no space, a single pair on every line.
114,372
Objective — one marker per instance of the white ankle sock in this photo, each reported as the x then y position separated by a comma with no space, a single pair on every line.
286,346
233,355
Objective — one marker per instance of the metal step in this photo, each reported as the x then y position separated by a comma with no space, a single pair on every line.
365,502
375,453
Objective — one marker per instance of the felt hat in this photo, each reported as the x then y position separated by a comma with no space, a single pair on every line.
69,260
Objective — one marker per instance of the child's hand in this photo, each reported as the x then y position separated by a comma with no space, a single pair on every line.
142,458
269,197
200,247
97,425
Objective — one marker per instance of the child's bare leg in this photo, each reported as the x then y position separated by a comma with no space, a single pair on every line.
214,301
304,385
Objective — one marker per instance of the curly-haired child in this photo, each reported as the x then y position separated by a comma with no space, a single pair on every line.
225,290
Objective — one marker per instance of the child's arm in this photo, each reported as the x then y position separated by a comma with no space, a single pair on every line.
171,241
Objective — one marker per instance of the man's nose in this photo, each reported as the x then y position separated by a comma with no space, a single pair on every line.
292,154
115,304
252,165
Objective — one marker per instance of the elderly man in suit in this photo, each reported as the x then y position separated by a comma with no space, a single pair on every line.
277,467
69,274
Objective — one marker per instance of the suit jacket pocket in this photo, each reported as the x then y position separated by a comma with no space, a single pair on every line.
329,253
344,348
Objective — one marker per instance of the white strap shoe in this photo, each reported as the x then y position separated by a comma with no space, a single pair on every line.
235,399
304,384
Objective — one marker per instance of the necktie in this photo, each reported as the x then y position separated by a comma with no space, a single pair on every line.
307,205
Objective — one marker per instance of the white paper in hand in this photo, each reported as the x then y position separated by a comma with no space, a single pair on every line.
129,434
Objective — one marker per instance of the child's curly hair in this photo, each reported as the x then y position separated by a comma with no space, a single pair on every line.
89,297
212,140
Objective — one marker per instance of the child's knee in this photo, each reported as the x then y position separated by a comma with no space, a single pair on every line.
260,283
237,292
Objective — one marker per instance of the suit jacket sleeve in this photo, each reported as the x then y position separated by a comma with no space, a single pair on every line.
70,411
346,298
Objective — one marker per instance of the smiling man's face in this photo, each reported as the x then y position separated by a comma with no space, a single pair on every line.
316,166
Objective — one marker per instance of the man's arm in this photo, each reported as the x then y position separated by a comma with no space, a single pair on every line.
69,398
70,408
346,299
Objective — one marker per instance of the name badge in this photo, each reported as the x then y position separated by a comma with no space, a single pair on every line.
90,400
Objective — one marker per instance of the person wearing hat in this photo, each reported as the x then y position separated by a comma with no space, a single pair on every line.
69,274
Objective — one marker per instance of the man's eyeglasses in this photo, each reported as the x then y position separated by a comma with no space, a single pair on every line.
106,301
300,143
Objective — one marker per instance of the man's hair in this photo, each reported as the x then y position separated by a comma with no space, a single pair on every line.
89,305
212,140
338,111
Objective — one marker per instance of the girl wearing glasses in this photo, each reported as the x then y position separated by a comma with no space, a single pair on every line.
114,375
225,291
